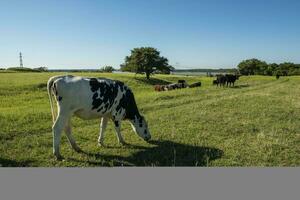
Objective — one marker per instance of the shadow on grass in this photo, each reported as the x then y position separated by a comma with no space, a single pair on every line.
152,81
240,86
41,86
12,163
164,153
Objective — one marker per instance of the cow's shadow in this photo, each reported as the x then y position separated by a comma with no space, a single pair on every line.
4,162
163,153
240,86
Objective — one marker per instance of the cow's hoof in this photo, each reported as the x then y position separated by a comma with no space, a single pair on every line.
123,143
78,150
101,144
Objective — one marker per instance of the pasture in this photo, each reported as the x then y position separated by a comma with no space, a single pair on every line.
255,123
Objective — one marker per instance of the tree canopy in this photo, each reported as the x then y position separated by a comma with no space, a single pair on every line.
146,60
108,69
252,66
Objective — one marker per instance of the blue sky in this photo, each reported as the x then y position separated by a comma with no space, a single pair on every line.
191,34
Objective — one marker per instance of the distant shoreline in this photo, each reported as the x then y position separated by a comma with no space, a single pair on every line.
175,71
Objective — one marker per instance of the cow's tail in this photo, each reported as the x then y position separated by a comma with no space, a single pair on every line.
50,93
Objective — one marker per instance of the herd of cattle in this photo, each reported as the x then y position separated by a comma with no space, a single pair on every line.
227,79
222,80
179,85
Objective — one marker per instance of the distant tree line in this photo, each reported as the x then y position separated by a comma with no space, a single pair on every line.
107,69
258,67
231,70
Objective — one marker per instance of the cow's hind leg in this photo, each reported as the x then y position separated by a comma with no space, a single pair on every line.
58,127
118,132
68,131
103,125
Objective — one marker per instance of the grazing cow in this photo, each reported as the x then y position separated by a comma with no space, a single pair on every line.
90,98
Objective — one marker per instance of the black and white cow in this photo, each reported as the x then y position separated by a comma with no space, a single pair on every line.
90,98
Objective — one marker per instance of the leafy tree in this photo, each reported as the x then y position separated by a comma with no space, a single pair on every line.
108,69
295,70
166,70
146,60
271,69
286,68
252,66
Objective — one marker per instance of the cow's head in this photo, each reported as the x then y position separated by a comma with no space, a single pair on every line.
140,127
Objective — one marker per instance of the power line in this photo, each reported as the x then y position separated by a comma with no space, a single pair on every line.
21,60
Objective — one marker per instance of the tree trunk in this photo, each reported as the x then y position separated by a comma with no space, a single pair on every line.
147,75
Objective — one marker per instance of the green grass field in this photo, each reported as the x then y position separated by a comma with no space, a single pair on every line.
256,123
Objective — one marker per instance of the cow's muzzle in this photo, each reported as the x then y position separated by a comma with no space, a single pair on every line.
147,138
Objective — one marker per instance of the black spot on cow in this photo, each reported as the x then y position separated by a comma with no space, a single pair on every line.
99,109
95,95
120,85
127,102
145,132
95,85
116,123
107,93
140,122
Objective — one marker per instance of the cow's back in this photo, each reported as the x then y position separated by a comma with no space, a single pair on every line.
95,97
74,92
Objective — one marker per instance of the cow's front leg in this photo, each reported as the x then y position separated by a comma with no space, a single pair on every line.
103,125
118,131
